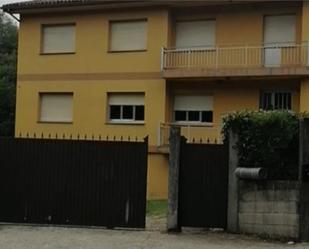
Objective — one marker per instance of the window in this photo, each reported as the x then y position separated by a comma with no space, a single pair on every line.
128,35
280,29
58,39
195,33
126,108
56,107
195,109
276,101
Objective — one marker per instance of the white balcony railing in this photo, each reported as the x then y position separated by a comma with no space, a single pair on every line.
192,132
237,57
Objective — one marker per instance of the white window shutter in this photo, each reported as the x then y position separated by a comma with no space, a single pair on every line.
195,33
56,107
126,99
280,29
193,103
58,39
130,35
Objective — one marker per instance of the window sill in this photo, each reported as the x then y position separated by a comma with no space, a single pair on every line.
125,123
193,124
58,53
127,51
55,122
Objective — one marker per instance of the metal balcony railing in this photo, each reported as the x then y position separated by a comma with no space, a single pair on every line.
236,57
192,132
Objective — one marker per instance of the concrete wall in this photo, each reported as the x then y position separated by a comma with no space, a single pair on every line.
269,208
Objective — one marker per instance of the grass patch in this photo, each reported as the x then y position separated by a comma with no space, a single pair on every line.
157,208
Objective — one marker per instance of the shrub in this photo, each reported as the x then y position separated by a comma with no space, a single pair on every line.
267,139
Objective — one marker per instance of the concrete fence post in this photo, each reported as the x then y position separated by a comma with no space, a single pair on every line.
173,180
304,185
232,213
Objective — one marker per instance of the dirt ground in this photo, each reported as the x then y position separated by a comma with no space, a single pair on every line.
155,237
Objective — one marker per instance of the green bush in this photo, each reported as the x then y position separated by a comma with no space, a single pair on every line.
267,139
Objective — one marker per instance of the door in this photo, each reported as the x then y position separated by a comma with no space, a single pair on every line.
279,31
203,185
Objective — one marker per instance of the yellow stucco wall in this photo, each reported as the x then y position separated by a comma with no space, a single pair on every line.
92,72
90,107
92,41
229,96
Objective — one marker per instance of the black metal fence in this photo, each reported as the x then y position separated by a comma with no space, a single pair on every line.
70,182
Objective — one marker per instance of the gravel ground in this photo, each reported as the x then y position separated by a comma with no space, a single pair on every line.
34,237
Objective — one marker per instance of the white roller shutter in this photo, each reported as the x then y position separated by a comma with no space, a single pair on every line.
130,35
58,39
126,99
193,103
280,29
195,33
56,107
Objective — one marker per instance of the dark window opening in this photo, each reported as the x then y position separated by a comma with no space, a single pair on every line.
127,112
207,116
180,116
115,112
139,113
194,116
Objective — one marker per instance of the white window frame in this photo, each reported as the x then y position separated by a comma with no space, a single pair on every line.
110,45
44,26
122,104
51,120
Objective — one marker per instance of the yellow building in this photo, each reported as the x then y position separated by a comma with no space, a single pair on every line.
119,68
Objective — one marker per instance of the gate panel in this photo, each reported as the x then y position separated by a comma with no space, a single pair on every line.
203,185
66,182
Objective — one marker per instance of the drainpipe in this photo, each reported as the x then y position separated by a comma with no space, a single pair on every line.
162,59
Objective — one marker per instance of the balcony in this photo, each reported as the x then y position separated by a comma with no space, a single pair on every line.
192,132
236,61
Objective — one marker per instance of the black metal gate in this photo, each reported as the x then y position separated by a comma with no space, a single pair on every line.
66,182
203,185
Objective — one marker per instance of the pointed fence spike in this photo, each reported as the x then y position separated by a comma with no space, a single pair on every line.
193,140
71,136
49,136
106,138
20,135
34,135
216,141
92,137
201,140
129,138
208,141
27,135
121,138
78,136
100,137
146,139
114,138
63,136
42,135
85,137
56,136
